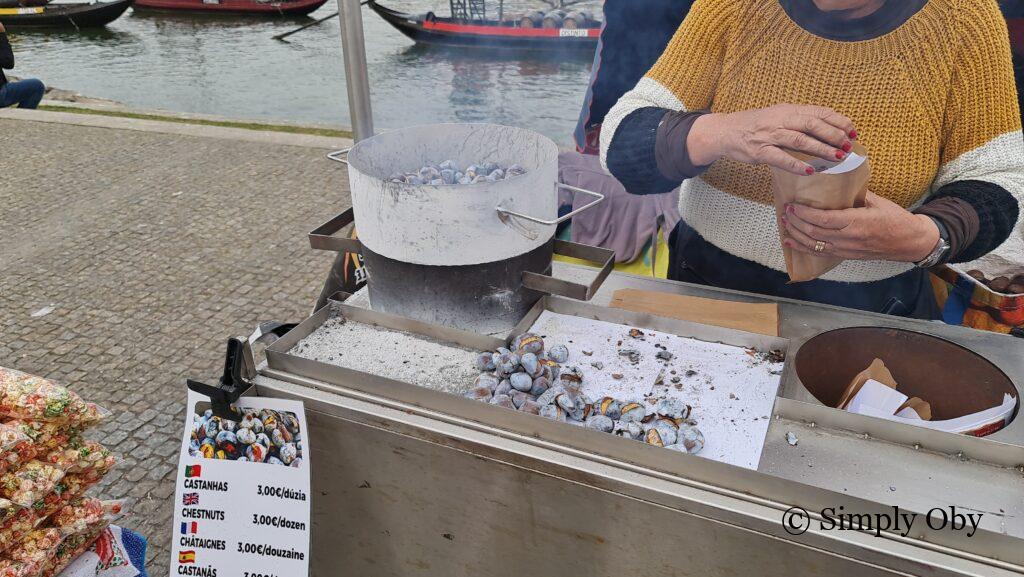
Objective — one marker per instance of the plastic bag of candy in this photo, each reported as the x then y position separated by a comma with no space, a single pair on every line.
24,396
81,456
30,483
71,548
16,447
38,547
46,435
15,523
12,568
84,514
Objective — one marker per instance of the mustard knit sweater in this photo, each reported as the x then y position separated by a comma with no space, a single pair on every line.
934,102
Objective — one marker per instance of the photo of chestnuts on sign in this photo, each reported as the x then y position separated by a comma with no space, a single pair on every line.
259,436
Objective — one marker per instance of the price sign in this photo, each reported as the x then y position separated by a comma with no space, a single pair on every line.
242,494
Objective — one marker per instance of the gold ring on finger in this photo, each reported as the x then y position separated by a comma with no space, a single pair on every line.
820,246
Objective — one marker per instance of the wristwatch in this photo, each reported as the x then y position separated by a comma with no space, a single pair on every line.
941,250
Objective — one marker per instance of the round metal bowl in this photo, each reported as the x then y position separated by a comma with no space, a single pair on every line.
955,381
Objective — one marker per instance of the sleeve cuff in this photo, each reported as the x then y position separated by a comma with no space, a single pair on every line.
670,147
981,215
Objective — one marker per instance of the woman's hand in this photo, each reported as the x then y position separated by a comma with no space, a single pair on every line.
881,230
762,136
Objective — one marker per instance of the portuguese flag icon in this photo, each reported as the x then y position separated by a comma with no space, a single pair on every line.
192,471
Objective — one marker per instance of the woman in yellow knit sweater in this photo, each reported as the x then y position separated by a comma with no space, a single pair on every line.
926,86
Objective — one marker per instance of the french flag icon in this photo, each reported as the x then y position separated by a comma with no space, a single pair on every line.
187,528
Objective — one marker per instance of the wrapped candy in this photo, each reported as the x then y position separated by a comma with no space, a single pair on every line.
38,547
84,514
25,396
30,483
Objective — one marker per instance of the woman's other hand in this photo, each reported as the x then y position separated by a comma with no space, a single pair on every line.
881,230
762,136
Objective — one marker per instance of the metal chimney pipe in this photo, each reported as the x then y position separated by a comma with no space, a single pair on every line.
357,82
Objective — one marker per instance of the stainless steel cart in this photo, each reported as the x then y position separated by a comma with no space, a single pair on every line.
407,482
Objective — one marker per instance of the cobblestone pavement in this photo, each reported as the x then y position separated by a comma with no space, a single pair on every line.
152,249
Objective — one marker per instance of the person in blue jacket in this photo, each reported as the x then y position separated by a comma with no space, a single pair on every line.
634,35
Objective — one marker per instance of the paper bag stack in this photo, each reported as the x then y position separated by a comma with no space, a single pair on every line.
873,393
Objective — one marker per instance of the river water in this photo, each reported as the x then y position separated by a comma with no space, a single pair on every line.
230,66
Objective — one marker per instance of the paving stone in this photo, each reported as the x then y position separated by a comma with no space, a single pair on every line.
147,283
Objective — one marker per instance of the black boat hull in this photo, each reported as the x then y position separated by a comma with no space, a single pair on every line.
67,15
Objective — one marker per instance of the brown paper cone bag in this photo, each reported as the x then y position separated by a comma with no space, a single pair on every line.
876,371
823,191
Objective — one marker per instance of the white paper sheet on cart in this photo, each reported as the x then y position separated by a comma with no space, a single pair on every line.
967,423
732,393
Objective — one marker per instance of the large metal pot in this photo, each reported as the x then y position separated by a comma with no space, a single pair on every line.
472,256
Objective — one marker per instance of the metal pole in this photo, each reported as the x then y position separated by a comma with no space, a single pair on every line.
357,80
358,85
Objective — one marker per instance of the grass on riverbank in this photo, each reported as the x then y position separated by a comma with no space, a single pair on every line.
202,121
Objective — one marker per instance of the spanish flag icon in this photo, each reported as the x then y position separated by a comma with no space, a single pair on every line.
186,557
193,471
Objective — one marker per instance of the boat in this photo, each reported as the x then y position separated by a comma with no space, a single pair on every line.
271,8
91,15
470,26
22,3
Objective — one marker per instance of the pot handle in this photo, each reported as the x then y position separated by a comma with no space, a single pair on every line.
551,285
322,237
337,155
504,213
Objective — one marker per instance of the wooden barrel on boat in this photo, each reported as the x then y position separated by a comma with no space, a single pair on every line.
553,19
532,20
574,21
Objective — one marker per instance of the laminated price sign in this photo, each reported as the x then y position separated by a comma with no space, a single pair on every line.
242,494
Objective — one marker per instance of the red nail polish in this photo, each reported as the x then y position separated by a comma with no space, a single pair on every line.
840,154
790,209
847,147
853,134
809,170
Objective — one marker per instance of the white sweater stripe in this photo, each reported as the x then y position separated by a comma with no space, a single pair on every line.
749,230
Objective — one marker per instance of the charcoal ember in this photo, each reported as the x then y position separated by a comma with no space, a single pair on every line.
664,355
